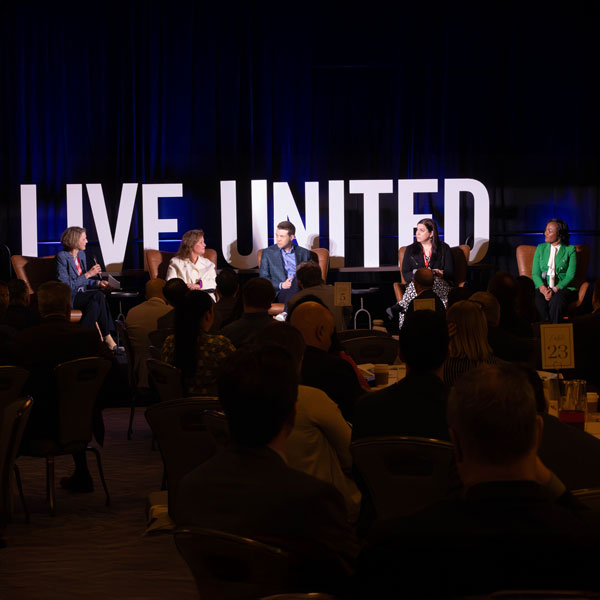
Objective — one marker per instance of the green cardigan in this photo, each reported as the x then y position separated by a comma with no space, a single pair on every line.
565,265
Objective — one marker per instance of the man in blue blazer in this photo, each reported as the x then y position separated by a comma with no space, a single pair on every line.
278,262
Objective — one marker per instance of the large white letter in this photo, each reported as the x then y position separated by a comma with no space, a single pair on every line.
151,192
113,251
371,188
29,220
260,236
337,248
407,219
481,215
75,204
285,209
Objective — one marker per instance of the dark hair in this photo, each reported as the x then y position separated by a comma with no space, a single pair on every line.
424,340
563,230
424,277
4,298
70,237
503,286
492,409
289,227
227,283
258,293
54,298
432,228
18,292
257,390
456,294
188,241
188,314
309,274
174,291
286,336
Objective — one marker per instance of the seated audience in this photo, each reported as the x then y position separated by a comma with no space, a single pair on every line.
249,490
310,282
42,347
320,369
257,296
6,331
18,314
525,300
173,291
469,346
319,444
228,307
515,528
192,349
423,281
141,320
456,294
503,286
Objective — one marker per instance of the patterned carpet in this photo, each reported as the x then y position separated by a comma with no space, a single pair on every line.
89,549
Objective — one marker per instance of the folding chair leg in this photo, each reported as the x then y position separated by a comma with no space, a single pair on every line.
100,471
50,483
21,495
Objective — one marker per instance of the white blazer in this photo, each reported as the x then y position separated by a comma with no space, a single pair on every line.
204,270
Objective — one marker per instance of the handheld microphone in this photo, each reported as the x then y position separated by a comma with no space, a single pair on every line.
95,263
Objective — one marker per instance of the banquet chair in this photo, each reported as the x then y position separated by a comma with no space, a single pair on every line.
158,336
158,261
183,440
402,474
165,378
13,418
590,497
12,380
217,427
460,257
525,254
79,382
230,567
349,334
34,271
372,349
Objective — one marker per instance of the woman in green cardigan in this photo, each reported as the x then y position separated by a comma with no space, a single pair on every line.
554,265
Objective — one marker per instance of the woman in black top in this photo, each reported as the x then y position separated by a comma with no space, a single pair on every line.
427,251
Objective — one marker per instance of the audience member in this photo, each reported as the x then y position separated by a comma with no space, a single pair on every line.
18,314
319,444
228,307
4,298
310,282
141,320
456,294
321,369
249,490
198,354
6,331
469,347
423,280
525,300
174,291
513,529
257,296
502,285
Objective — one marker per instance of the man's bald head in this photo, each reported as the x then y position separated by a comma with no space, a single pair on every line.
423,279
315,323
154,289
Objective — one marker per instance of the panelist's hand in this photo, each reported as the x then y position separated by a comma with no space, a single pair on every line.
194,286
95,270
103,284
287,284
438,272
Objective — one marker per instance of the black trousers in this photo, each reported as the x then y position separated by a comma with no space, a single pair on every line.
94,308
284,296
555,309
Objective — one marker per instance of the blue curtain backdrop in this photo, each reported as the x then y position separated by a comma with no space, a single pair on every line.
116,93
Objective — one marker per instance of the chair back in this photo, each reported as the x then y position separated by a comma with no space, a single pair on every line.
230,567
158,336
12,380
13,418
401,252
34,270
165,378
217,427
460,257
319,255
182,437
348,334
79,382
158,261
402,474
371,349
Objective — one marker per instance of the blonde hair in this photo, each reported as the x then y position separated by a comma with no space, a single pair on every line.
188,241
70,237
470,340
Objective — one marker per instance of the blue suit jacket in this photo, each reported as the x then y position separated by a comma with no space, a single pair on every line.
271,263
66,271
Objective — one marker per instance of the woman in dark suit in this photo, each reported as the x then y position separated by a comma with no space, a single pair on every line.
427,251
86,294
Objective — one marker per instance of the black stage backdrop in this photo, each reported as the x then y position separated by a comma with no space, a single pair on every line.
114,93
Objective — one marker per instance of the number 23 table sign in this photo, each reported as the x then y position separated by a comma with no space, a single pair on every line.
557,346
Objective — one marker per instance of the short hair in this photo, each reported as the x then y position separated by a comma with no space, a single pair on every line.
424,340
188,241
258,388
503,286
285,335
424,277
70,237
174,291
471,337
18,292
490,306
54,298
492,410
154,288
258,293
563,230
227,283
289,227
309,274
456,294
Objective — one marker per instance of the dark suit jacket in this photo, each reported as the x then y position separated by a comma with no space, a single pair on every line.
439,305
66,271
271,263
586,333
334,376
252,492
413,260
243,331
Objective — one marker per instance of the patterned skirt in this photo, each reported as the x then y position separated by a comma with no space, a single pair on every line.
440,289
